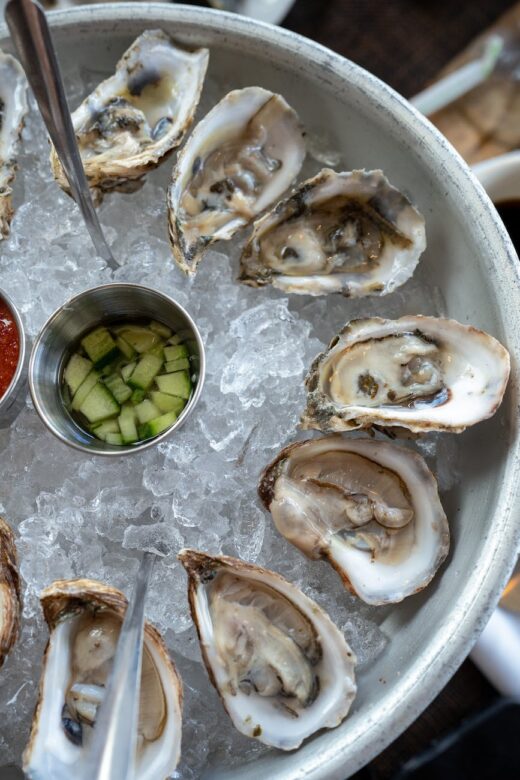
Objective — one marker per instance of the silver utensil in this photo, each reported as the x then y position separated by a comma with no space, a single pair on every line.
30,33
111,755
108,302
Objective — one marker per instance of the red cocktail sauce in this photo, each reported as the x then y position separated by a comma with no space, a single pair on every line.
9,347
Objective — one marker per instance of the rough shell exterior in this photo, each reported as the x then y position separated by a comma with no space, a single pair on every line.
126,174
10,601
223,124
394,264
64,598
424,489
13,110
337,687
323,414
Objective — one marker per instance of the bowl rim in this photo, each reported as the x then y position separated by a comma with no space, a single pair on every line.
21,354
128,449
334,756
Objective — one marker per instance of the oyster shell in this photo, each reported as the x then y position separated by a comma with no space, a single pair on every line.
239,159
13,109
350,233
281,667
9,591
138,115
420,373
369,507
84,619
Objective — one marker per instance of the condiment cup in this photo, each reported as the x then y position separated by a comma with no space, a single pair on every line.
100,305
500,176
12,401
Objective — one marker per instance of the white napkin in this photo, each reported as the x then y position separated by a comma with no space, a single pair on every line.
497,652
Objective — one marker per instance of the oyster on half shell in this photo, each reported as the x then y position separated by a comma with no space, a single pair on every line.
281,667
368,507
238,161
350,233
9,591
138,115
84,619
420,373
13,109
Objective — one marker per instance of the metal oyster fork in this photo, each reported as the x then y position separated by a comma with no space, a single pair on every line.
112,750
31,36
111,755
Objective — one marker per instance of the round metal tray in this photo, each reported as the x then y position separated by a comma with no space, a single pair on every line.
469,257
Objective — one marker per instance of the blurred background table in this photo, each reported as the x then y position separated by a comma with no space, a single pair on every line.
404,42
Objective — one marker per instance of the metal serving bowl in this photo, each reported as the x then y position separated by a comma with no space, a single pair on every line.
12,400
106,303
471,260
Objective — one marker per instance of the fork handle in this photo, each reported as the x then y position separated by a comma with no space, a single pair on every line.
30,33
112,751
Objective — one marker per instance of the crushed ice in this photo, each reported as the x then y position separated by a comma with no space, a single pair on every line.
77,516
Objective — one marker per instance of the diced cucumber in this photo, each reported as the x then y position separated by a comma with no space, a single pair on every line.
84,389
100,347
162,330
127,370
146,411
145,372
128,382
126,421
108,426
137,396
114,438
77,370
158,425
126,348
167,403
110,368
118,388
175,384
141,339
174,353
176,365
99,404
158,351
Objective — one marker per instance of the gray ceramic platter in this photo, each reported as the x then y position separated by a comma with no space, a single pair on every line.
469,257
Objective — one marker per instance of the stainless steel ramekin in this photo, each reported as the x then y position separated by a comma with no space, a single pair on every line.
107,303
12,400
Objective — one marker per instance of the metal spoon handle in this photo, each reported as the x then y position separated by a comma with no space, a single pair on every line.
32,40
112,752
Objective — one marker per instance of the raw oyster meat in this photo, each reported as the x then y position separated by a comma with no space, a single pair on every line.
369,507
281,667
9,591
239,159
350,233
138,115
420,373
84,619
13,108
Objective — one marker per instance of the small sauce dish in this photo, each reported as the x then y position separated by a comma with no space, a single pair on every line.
81,314
12,371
